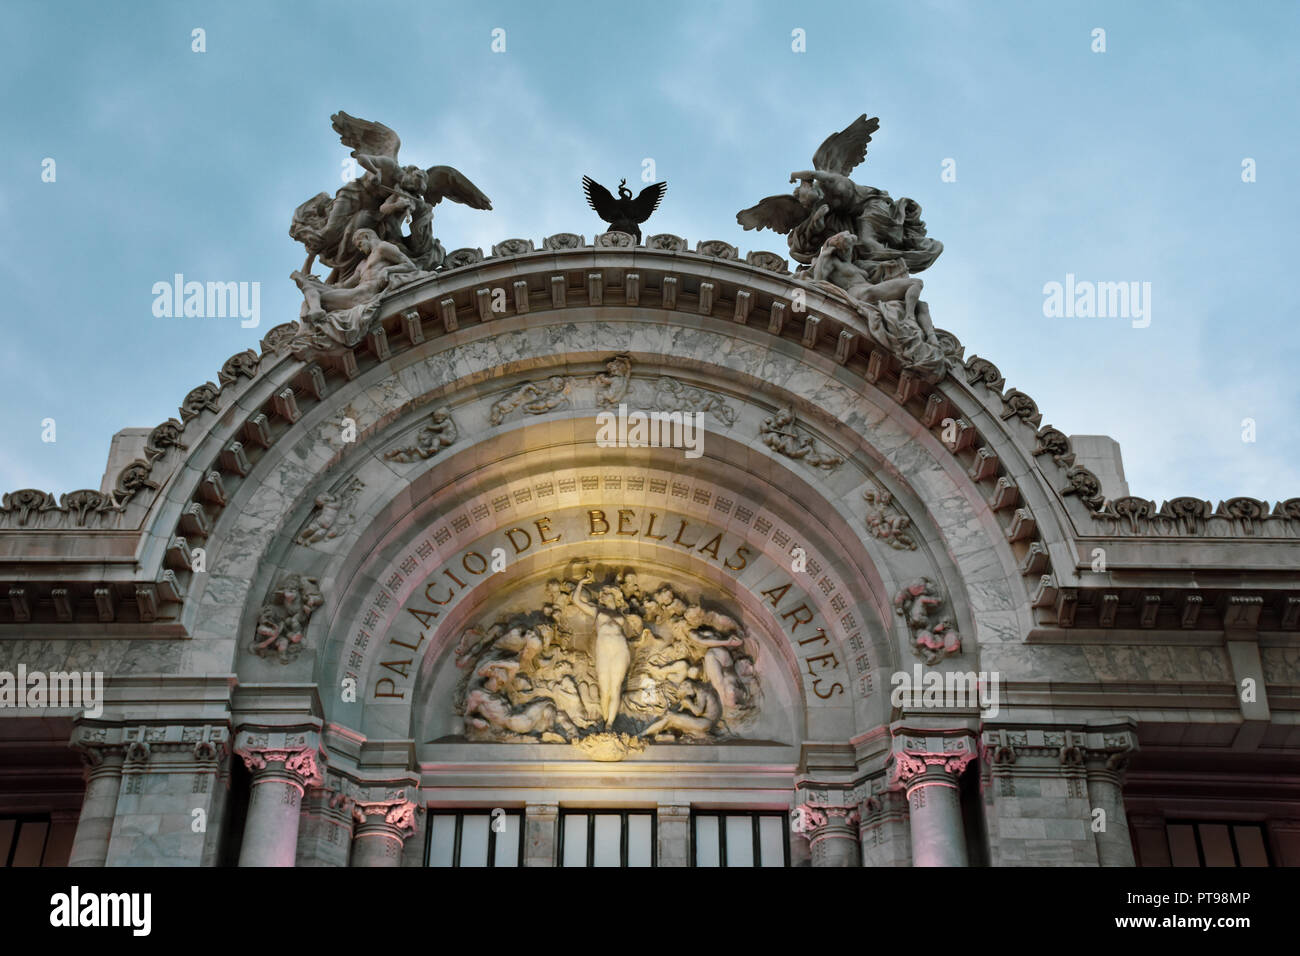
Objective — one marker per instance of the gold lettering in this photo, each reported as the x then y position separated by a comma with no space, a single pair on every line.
740,553
712,547
424,617
544,525
527,537
836,688
595,516
409,647
623,515
798,620
433,600
650,528
819,636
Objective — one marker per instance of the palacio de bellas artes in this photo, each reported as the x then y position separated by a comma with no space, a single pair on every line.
470,460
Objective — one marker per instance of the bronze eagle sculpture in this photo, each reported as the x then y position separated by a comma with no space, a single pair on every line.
624,214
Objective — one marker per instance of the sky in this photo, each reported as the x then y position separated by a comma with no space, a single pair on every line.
1115,165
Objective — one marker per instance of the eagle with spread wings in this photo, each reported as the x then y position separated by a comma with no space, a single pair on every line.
624,214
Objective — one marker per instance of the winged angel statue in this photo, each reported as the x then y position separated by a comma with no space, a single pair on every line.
358,234
860,245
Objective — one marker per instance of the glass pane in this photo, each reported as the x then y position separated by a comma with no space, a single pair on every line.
771,840
7,828
31,841
1250,846
575,839
474,839
442,839
1182,845
1217,846
639,839
507,849
609,835
740,841
706,842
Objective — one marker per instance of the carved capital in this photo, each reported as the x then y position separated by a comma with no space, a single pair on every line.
924,758
822,822
391,817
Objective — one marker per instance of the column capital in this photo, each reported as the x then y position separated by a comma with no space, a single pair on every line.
1098,749
395,818
293,757
924,756
106,747
819,823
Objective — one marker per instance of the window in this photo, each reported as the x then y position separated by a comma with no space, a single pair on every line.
608,838
744,838
26,841
1217,844
474,838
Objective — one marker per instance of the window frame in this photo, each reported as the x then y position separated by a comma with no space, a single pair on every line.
1261,825
460,816
20,820
623,813
754,817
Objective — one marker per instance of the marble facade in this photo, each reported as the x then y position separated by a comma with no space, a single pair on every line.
275,597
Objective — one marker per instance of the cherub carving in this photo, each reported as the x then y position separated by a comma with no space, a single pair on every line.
438,434
917,603
282,622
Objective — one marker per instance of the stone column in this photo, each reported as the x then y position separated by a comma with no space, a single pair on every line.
674,824
832,834
540,822
1106,759
927,765
383,827
103,771
884,830
283,765
325,832
167,811
1053,794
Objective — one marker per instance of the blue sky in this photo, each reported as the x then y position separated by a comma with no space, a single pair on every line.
1115,166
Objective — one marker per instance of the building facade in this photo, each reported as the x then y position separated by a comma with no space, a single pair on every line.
605,553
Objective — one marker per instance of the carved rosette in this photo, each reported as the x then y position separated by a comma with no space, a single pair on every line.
666,242
615,240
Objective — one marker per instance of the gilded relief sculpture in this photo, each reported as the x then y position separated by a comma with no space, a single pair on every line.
608,667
